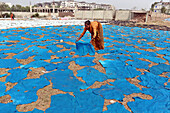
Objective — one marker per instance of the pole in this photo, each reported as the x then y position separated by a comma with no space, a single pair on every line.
146,20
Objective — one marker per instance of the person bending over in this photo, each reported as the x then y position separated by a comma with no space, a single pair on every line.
96,30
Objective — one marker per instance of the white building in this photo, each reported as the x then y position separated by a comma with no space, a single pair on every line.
93,5
160,5
157,7
72,4
47,4
1,3
68,4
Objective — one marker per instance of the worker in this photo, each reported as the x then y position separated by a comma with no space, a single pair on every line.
12,16
96,30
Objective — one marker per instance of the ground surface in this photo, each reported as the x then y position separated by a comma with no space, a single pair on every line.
41,71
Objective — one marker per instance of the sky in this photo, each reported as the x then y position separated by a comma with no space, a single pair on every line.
119,4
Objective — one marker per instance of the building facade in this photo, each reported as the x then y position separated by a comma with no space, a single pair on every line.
71,4
158,7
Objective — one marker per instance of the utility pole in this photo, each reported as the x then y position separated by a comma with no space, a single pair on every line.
146,20
53,7
30,7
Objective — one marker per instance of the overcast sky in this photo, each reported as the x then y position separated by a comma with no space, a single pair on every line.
119,4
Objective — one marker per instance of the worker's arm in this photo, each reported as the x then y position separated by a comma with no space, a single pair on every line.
94,35
95,32
84,31
95,26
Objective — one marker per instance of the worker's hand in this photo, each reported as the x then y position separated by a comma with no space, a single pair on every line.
91,40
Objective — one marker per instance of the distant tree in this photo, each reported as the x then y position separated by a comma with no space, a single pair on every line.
23,9
4,7
13,8
152,7
8,8
99,9
1,11
143,9
134,8
27,9
35,15
57,6
34,6
18,8
163,9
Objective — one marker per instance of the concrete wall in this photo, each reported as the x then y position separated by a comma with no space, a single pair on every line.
87,14
123,15
95,15
79,14
28,14
99,15
158,16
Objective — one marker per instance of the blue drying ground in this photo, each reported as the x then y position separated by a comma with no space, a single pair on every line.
43,70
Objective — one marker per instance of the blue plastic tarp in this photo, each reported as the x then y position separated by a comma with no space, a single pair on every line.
85,61
2,89
84,49
116,91
65,81
159,69
159,103
8,63
116,108
25,91
88,102
116,69
17,75
8,108
90,75
152,81
62,104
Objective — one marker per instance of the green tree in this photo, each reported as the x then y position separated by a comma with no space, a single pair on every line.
13,8
163,9
18,8
34,6
27,9
99,9
8,8
143,9
35,15
134,8
4,7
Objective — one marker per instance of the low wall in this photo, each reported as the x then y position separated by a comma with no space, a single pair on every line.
123,15
95,15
